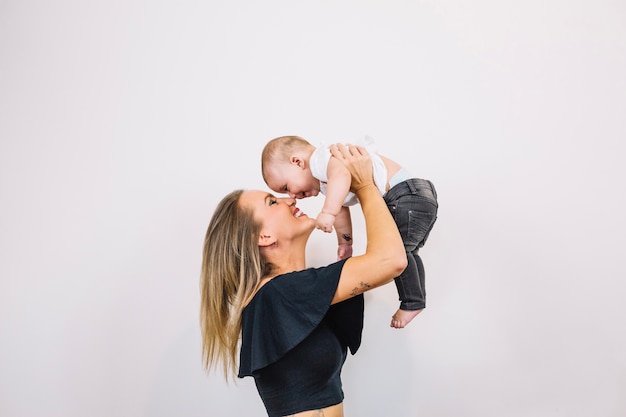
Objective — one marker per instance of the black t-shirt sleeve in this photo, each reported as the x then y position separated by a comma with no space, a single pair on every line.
287,309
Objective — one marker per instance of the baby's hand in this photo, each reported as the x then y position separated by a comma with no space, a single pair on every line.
324,221
344,250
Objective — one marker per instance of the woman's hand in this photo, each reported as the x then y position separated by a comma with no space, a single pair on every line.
358,161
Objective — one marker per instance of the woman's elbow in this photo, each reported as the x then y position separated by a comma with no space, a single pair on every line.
396,264
399,263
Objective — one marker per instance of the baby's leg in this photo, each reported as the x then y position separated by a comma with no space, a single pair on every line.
413,204
411,291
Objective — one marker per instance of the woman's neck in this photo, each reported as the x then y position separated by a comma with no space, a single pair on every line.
286,257
286,262
289,265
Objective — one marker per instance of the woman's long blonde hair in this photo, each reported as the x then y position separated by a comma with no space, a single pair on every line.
232,268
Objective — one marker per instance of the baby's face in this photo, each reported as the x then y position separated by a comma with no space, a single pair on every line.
293,180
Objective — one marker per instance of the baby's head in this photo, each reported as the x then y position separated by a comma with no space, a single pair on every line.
285,167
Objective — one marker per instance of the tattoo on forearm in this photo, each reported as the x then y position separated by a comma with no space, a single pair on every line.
363,286
347,237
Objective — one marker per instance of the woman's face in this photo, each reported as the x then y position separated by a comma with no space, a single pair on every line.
279,217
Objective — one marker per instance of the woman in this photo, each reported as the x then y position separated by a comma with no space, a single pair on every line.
295,323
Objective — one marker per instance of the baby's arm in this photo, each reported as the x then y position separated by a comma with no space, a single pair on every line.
343,227
337,189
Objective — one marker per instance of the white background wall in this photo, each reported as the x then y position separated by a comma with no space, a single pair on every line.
123,123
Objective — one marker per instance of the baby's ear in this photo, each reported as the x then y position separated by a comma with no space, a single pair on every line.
296,160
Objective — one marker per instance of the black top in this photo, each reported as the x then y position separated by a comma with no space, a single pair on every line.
294,343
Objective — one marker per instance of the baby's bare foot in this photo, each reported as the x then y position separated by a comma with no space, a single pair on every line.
403,317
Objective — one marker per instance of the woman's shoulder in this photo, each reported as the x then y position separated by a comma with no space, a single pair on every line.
289,306
300,285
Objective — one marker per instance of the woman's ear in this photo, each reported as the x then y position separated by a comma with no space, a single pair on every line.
266,240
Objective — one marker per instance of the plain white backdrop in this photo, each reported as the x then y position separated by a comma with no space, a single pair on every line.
123,123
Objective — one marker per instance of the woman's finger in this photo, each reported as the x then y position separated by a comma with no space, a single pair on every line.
358,150
339,151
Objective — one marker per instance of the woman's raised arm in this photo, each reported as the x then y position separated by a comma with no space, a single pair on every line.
384,257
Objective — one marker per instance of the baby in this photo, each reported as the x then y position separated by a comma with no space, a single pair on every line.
292,165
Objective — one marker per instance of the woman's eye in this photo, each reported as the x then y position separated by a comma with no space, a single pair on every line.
273,202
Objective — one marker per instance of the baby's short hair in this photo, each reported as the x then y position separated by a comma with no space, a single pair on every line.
280,149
